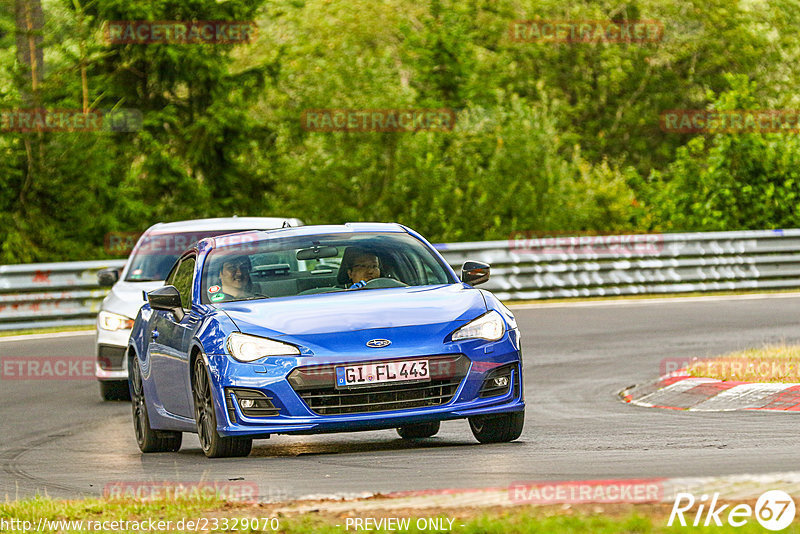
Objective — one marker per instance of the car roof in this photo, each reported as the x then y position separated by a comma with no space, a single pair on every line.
301,231
233,224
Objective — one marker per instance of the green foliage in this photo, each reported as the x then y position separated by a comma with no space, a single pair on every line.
731,182
500,170
193,156
198,138
505,166
548,137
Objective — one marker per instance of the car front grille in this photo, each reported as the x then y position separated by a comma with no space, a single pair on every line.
315,385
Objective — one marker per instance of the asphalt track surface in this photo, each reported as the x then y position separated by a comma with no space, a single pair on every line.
58,438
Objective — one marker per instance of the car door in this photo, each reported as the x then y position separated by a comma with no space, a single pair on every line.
172,337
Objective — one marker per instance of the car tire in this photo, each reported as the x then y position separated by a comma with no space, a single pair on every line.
214,445
149,440
114,390
497,428
419,430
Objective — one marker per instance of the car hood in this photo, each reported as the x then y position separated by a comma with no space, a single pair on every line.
425,308
126,298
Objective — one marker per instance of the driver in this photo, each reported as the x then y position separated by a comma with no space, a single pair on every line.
362,266
234,280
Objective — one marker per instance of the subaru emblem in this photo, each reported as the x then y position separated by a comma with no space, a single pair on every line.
378,343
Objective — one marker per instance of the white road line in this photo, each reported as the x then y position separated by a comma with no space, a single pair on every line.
641,302
33,337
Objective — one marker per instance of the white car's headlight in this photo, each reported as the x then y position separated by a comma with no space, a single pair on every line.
489,326
113,321
251,348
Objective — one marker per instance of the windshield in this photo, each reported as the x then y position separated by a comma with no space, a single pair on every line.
156,253
319,264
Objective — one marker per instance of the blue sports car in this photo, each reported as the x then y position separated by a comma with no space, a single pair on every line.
313,329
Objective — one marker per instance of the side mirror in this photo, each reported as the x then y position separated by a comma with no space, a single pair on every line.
474,272
166,298
107,277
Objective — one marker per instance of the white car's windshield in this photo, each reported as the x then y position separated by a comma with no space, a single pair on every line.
319,264
157,253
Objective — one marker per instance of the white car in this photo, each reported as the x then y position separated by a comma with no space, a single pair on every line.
147,267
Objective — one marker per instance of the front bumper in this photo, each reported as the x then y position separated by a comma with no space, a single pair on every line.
296,414
110,349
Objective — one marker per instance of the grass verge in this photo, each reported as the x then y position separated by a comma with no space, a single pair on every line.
51,330
771,363
213,515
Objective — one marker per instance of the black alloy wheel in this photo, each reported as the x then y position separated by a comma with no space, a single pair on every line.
214,445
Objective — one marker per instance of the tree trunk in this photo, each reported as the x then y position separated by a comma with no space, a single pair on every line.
30,25
29,19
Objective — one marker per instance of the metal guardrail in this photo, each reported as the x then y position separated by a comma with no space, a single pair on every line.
49,294
591,266
39,295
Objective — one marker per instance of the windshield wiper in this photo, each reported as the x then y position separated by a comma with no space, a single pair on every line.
254,297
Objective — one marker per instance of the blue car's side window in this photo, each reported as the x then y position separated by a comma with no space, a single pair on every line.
183,281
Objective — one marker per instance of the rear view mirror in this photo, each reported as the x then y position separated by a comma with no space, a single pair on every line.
107,277
315,253
475,272
166,298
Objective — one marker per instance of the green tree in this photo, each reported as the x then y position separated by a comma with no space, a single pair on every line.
731,181
196,148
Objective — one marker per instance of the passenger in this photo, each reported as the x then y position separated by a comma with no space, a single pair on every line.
361,266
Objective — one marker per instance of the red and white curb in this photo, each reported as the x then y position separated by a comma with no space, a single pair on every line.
656,490
679,391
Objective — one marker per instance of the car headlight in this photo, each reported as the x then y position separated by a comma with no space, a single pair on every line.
113,321
251,348
489,326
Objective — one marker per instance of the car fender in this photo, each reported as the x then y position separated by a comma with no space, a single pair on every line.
211,347
493,303
137,341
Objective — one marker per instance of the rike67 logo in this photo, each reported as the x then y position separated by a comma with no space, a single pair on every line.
774,511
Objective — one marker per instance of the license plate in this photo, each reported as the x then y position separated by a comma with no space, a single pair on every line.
382,373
